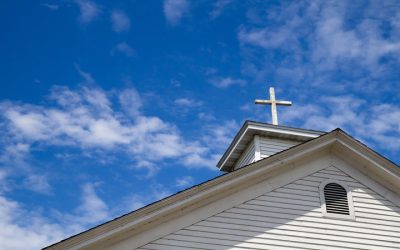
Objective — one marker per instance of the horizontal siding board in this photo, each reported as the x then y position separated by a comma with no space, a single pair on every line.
334,172
302,187
217,244
250,243
269,146
286,203
270,237
373,202
319,179
247,157
290,196
153,246
380,209
284,208
288,200
299,230
225,218
296,236
371,223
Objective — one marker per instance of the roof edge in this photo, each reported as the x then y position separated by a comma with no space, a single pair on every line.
249,124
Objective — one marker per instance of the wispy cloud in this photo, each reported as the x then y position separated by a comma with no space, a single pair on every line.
188,102
156,192
87,77
24,228
92,208
174,10
16,161
184,181
120,21
123,48
50,6
219,7
89,11
86,118
224,82
38,183
318,41
377,125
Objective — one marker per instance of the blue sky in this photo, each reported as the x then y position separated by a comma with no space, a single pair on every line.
109,105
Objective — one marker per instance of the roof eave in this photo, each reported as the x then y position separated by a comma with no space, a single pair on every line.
252,125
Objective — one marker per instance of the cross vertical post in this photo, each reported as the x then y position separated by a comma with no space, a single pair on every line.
273,102
273,106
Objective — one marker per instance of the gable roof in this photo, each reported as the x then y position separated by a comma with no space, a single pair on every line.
373,164
252,128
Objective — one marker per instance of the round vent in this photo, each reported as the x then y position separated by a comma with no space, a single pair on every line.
336,199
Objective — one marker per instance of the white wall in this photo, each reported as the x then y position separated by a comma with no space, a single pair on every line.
270,146
247,157
264,147
290,217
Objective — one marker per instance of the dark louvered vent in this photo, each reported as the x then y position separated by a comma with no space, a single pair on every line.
336,199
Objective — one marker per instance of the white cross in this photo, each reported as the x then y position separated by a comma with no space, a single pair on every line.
273,102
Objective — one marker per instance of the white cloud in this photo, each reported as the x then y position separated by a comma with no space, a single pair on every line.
139,199
38,183
219,7
50,6
133,202
120,21
92,208
16,162
206,116
88,119
23,229
377,125
264,37
319,40
184,181
196,160
220,134
89,10
123,48
87,77
187,102
26,229
130,101
364,43
225,82
150,167
174,10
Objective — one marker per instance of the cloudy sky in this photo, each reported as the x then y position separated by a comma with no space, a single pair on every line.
106,106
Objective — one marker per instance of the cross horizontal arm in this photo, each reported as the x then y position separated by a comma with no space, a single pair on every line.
284,103
263,102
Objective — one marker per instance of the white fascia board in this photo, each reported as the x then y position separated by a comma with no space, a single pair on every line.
233,149
287,131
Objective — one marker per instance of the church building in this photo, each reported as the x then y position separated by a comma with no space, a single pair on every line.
284,188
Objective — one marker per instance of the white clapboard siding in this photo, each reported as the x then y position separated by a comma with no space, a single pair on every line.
247,157
265,147
269,146
290,217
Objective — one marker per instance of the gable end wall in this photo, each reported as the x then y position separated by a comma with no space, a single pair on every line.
290,217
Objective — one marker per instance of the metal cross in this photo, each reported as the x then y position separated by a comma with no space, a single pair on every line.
273,102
